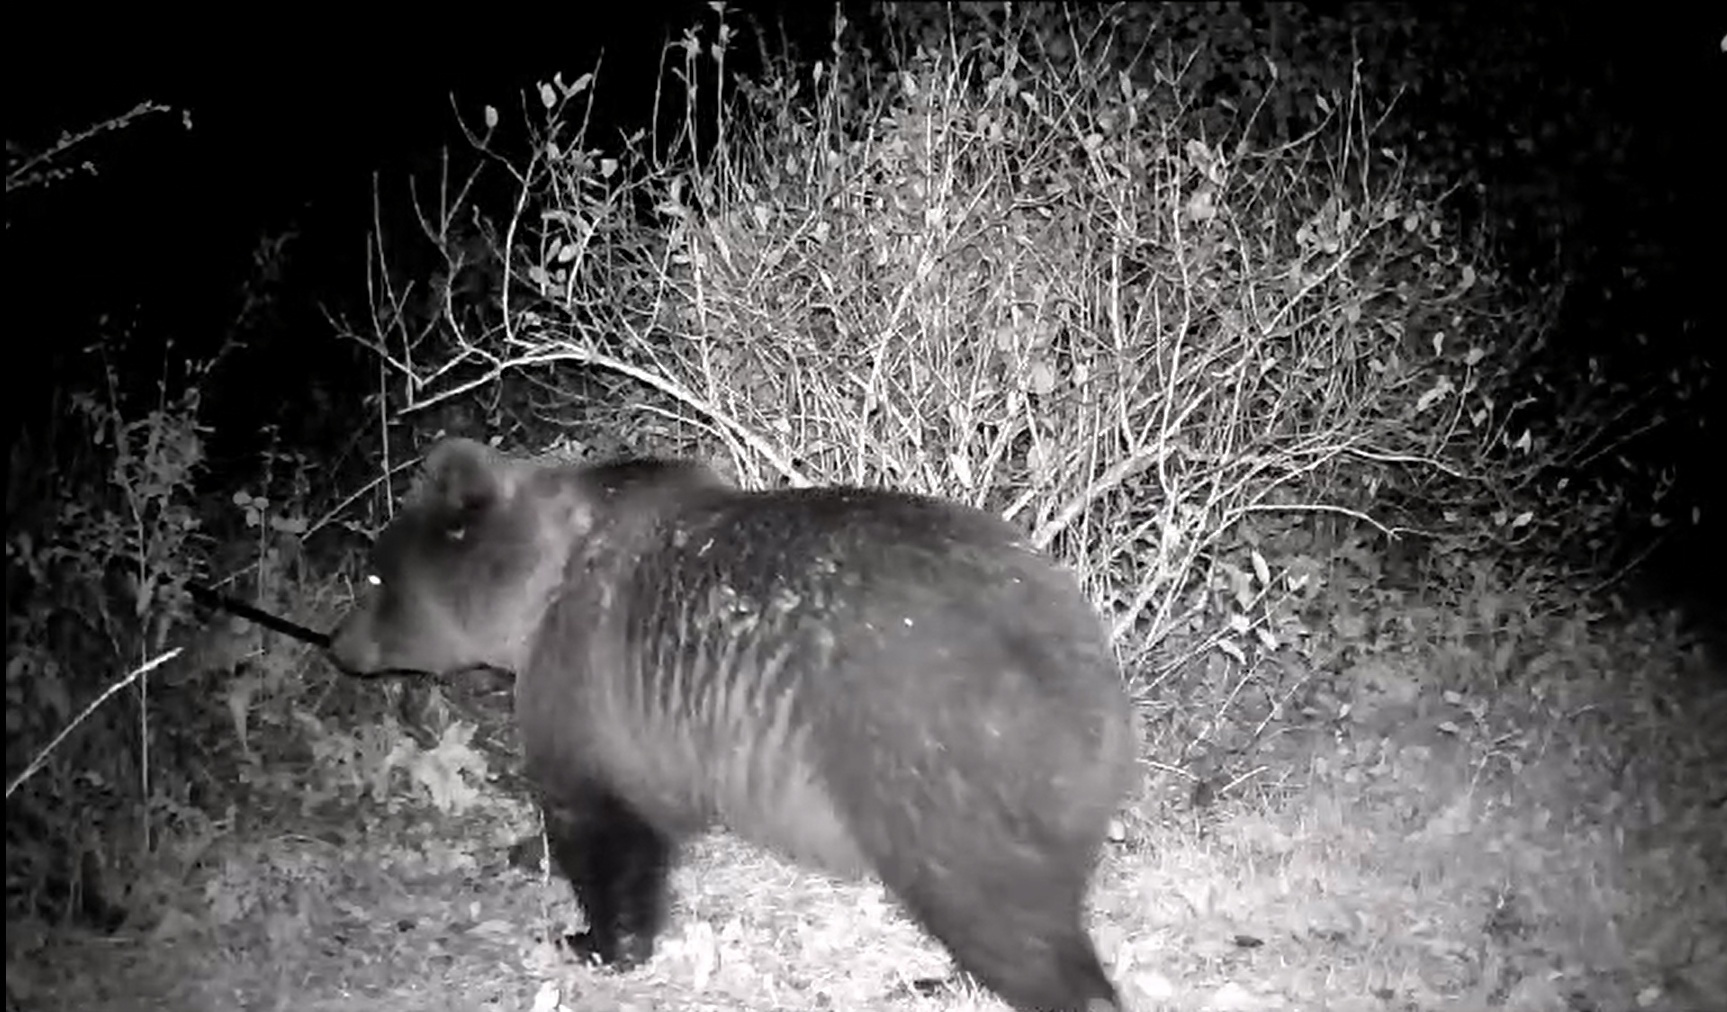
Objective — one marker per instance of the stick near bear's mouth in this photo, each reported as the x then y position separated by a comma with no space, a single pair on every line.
235,606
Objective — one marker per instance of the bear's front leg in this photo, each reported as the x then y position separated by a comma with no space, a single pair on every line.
618,864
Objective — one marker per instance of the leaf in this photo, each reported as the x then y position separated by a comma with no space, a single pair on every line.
241,691
1349,626
1041,379
961,468
1435,393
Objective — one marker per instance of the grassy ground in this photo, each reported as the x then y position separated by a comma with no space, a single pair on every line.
1554,847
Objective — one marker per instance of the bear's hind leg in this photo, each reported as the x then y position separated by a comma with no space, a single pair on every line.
617,863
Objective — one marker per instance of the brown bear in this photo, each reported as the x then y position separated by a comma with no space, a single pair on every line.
866,681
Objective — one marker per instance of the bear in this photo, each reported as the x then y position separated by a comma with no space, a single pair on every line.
866,681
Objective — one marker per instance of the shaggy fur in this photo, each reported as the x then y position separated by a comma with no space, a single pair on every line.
865,681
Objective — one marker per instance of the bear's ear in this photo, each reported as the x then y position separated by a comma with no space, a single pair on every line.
464,476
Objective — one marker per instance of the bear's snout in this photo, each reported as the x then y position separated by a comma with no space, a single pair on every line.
353,648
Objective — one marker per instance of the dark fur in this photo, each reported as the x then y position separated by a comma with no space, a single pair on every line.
865,681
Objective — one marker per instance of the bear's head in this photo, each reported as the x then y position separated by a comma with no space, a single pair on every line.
463,575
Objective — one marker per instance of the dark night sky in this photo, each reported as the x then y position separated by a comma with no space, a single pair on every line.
281,117
291,123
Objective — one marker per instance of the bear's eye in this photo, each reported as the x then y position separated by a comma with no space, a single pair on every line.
374,580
